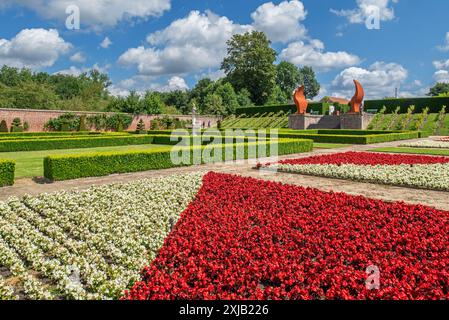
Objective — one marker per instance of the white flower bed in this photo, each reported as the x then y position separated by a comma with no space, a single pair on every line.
90,244
425,176
427,144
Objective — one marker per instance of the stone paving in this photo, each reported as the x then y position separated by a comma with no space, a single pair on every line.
436,199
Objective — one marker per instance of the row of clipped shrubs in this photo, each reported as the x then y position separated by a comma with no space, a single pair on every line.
354,139
67,167
73,142
7,169
340,136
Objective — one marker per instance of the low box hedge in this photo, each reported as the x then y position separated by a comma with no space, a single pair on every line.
7,169
67,167
355,138
72,143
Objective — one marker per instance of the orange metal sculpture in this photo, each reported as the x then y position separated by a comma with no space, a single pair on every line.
300,100
356,101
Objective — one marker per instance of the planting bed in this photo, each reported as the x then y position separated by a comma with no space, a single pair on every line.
402,170
243,238
90,244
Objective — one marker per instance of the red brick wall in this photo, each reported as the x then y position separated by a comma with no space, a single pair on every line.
37,118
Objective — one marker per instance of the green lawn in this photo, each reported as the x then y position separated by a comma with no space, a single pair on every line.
30,163
428,151
329,145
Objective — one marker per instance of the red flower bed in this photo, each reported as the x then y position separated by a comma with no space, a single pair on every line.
242,238
367,158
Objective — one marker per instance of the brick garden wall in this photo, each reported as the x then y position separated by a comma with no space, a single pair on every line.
37,118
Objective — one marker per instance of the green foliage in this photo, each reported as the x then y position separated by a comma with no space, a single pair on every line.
82,126
71,143
277,97
317,107
140,126
16,125
152,103
58,168
65,122
288,78
3,126
7,169
244,98
249,64
26,126
214,105
21,88
439,89
433,103
352,137
311,85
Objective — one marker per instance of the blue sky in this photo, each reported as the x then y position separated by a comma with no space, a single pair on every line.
170,44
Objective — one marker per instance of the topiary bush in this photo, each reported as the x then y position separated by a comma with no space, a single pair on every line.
3,126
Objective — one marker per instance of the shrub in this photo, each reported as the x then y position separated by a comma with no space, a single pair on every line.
65,122
314,107
82,126
26,126
16,125
140,127
7,173
100,164
71,143
433,103
3,126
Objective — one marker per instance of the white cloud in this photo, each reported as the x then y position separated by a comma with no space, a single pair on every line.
190,44
106,43
282,23
441,64
365,8
445,47
141,84
78,57
176,83
96,13
313,54
441,76
33,48
75,71
379,80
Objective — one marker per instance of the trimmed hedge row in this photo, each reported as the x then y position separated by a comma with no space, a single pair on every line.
67,167
433,103
72,143
354,139
7,169
319,107
42,134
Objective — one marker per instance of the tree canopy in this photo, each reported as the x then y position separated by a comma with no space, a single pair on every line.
249,65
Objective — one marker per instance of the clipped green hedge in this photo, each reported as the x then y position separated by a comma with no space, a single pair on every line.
44,134
319,107
7,169
433,103
354,139
72,143
67,167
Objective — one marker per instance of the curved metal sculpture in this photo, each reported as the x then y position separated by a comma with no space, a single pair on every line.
300,100
356,101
